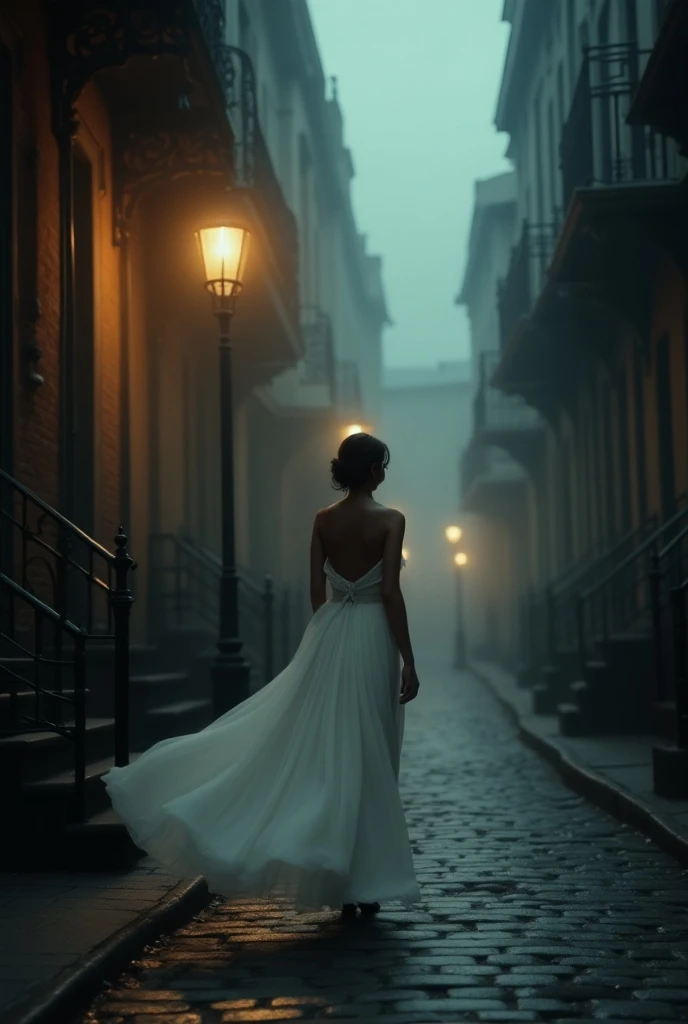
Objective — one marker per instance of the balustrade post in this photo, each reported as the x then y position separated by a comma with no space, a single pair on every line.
580,629
268,606
655,583
551,625
121,600
79,809
680,652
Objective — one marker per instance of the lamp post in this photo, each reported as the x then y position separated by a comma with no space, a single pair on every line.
460,561
223,250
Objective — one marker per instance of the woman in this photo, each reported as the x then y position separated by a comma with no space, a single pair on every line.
294,791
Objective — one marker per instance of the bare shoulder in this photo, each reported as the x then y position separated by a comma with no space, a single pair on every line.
324,513
393,517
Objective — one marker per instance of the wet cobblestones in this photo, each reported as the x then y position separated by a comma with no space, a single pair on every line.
536,907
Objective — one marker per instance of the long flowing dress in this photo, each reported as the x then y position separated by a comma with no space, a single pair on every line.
293,792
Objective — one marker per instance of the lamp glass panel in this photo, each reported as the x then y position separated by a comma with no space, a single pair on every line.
224,256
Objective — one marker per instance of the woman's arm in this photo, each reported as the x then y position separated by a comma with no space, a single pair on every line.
318,578
392,596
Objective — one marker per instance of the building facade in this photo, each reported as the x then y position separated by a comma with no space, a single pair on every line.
125,130
592,324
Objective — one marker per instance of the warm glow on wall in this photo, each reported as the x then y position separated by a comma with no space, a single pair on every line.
224,251
460,558
405,553
453,534
353,428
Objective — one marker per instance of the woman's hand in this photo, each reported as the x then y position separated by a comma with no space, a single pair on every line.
409,684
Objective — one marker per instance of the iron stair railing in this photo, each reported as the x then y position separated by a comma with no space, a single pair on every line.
51,700
628,599
55,563
185,581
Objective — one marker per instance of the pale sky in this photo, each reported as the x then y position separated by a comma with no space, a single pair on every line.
418,83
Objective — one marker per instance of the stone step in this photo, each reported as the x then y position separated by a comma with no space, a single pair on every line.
176,719
100,843
25,700
49,801
30,756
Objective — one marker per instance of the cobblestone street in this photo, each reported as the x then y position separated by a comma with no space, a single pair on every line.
537,906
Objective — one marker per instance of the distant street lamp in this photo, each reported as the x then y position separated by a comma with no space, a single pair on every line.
223,250
460,560
453,534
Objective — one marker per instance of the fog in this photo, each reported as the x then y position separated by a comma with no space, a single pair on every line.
417,82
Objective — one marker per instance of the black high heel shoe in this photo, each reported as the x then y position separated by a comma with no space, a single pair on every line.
369,909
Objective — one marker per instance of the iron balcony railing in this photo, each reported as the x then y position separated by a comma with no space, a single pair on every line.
598,146
530,258
319,361
493,411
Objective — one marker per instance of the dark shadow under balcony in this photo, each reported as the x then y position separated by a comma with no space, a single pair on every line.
517,292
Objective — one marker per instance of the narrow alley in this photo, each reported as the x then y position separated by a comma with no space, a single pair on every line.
536,906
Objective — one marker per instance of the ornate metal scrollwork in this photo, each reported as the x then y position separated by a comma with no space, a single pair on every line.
87,39
166,156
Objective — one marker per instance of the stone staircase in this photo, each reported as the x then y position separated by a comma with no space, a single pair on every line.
169,695
615,694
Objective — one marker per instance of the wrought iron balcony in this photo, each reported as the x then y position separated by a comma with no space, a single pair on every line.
530,258
319,363
494,412
598,146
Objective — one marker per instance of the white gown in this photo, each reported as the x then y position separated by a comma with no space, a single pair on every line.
293,792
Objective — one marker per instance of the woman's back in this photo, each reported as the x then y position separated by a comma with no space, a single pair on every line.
353,535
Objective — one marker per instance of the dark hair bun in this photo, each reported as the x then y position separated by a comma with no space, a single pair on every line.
355,459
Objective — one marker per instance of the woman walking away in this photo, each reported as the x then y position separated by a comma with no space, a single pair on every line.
294,792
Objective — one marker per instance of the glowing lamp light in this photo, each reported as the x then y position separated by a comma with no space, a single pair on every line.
223,250
353,428
453,534
405,553
460,558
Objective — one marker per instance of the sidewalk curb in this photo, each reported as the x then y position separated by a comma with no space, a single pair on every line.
70,990
599,791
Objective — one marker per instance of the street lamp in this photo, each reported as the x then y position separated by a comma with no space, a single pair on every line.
453,534
223,250
460,561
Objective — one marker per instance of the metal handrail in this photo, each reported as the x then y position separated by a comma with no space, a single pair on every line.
76,732
57,516
41,562
645,547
